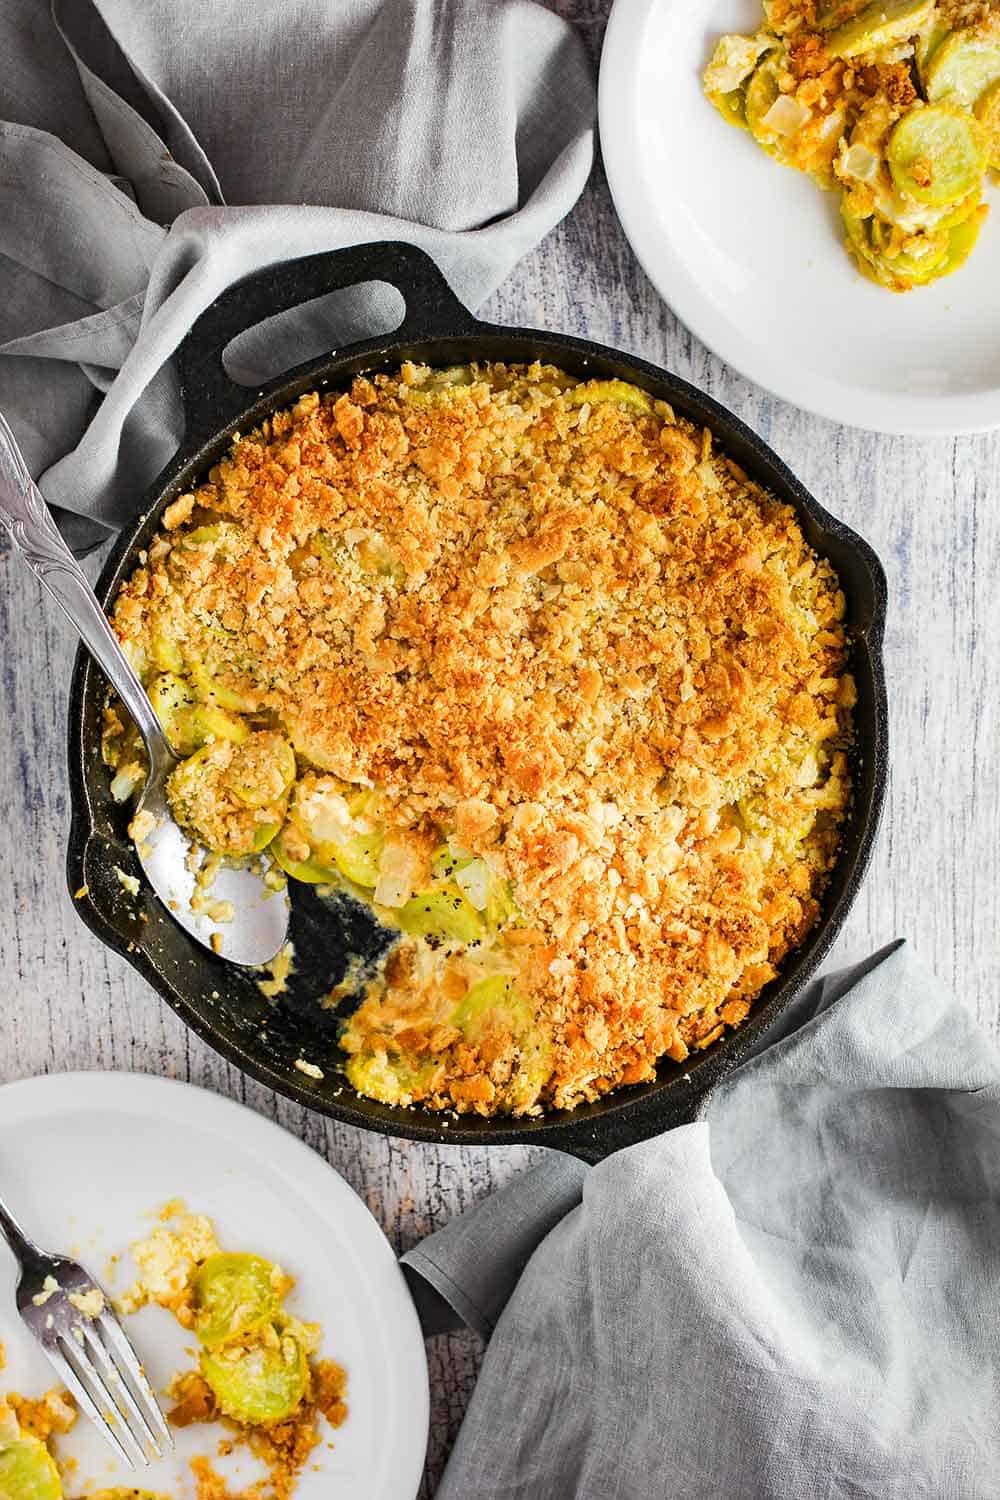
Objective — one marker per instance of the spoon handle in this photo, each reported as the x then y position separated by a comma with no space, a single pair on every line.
27,517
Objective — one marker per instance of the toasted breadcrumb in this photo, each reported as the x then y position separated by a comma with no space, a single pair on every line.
55,1414
283,1450
284,1447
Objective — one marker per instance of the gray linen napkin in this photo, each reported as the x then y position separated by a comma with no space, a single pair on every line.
793,1297
151,154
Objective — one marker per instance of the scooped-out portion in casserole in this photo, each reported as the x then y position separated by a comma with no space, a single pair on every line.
527,665
895,104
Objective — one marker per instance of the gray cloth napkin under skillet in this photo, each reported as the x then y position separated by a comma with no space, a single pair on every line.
794,1297
152,153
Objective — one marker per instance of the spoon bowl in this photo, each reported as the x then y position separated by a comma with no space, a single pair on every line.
258,927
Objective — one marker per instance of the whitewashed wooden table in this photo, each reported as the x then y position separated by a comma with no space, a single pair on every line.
932,511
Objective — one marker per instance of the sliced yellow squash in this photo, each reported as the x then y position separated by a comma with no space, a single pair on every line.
213,691
172,701
165,650
187,723
988,115
732,62
963,68
962,239
28,1472
269,777
439,385
929,40
440,913
494,1004
923,255
309,871
879,25
261,1385
212,721
761,92
357,857
597,392
960,212
391,1080
224,537
732,107
935,155
234,1295
492,1001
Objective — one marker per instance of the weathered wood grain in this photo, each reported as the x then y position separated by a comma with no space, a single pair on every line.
931,509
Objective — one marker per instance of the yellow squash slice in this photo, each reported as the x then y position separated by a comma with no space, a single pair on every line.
261,1385
963,68
935,155
28,1472
988,115
878,25
234,1295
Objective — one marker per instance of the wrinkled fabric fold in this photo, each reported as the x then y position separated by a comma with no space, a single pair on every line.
788,1296
196,144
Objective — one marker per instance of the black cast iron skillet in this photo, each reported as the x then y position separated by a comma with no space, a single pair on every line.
222,1003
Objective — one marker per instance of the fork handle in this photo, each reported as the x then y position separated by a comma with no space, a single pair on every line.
28,519
24,1249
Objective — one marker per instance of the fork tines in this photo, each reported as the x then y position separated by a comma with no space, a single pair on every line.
99,1367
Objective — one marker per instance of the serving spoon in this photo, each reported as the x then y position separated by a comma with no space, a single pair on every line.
258,925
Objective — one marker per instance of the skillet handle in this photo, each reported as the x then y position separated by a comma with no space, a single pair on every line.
211,399
612,1133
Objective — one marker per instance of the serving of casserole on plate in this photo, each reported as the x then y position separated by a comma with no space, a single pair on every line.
892,104
524,664
196,1215
895,103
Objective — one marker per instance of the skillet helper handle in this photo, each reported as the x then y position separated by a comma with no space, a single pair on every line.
611,1133
211,399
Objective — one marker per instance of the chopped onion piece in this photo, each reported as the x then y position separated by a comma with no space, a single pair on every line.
786,115
324,815
859,163
474,880
393,891
832,126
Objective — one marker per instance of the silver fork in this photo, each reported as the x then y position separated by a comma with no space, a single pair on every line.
91,1353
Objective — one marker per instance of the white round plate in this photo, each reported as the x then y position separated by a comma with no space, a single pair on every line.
750,255
86,1160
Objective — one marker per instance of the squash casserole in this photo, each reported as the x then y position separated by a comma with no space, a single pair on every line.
527,666
895,104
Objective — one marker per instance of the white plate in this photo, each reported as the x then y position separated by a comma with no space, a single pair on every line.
87,1158
749,253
